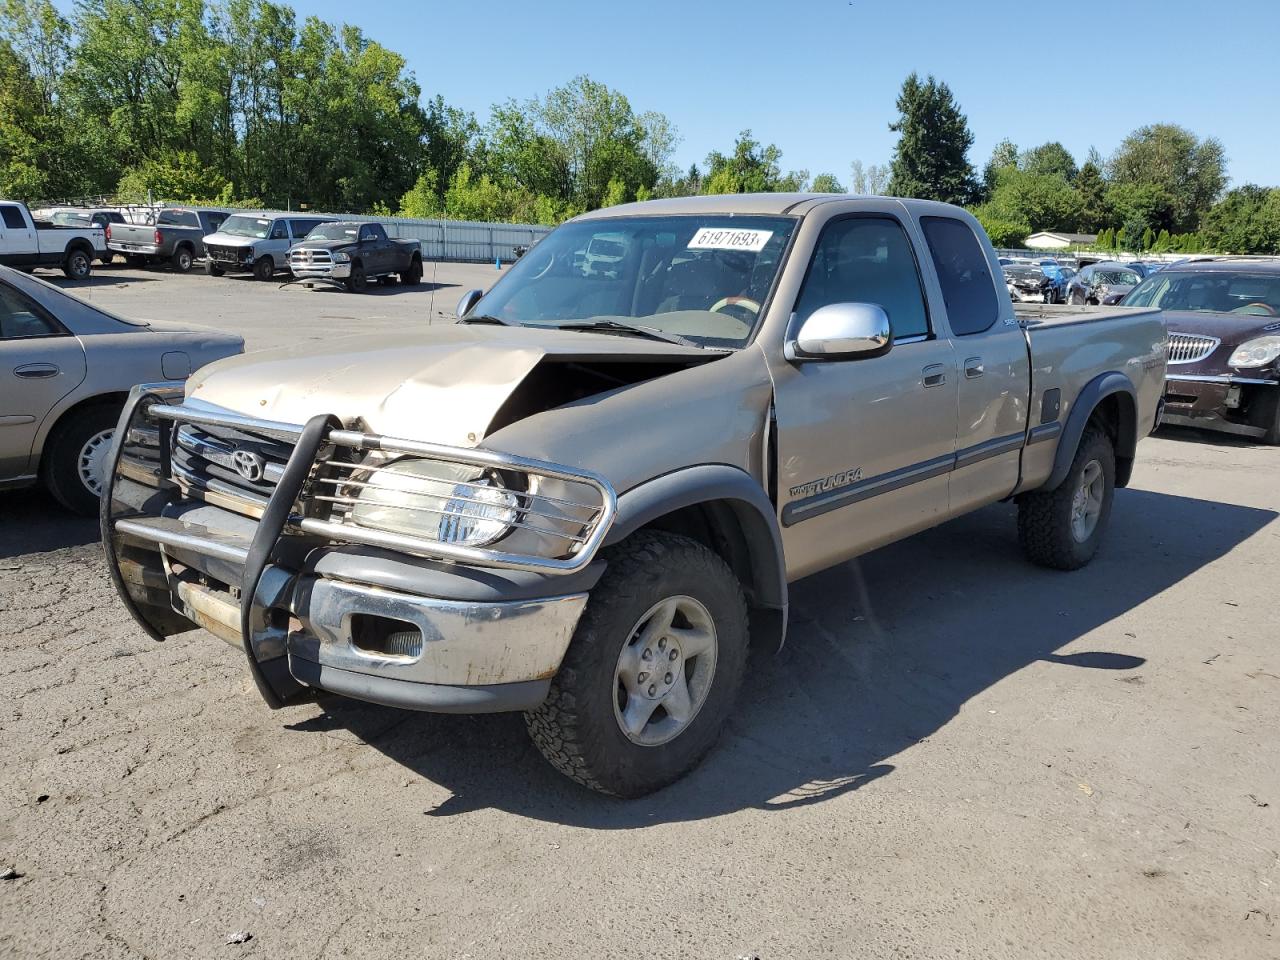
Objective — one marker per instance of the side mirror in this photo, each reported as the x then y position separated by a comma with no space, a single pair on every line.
842,331
469,300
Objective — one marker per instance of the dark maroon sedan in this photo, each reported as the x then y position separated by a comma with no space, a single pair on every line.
1223,317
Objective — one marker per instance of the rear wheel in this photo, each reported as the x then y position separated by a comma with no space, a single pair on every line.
358,282
77,265
135,260
212,269
264,269
182,259
652,672
107,258
75,457
413,275
1063,528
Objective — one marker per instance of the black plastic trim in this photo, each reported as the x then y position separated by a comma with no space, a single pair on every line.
822,503
988,449
1097,389
1045,431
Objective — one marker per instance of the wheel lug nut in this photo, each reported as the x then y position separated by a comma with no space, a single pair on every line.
643,677
674,654
662,643
647,655
667,678
652,689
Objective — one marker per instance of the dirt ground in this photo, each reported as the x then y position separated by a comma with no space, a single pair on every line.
956,755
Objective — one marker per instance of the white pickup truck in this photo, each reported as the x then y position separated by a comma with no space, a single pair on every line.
585,498
27,243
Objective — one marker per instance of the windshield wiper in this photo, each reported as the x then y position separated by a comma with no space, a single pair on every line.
653,333
485,318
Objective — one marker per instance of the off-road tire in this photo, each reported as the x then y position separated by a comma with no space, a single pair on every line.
357,282
413,276
212,269
1044,517
264,268
59,466
575,728
107,259
77,265
182,259
135,260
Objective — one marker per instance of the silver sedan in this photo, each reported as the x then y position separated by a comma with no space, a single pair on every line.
65,370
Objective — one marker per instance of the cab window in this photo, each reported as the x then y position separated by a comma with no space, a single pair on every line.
279,230
867,260
13,218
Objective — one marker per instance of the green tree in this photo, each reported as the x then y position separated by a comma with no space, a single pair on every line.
1145,203
1051,159
1004,229
1092,190
931,158
1246,220
826,183
1163,242
751,168
1003,156
869,181
1189,171
1042,201
1148,238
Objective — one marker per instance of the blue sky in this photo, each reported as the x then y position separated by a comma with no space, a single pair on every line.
819,77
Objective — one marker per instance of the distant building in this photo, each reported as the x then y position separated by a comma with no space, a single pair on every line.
1047,240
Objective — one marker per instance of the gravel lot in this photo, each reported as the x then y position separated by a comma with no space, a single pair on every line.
956,755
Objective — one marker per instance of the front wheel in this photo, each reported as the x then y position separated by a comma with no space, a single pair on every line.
652,672
212,269
77,265
1063,528
264,269
75,458
357,282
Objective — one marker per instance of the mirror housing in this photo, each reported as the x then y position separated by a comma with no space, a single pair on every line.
842,331
469,300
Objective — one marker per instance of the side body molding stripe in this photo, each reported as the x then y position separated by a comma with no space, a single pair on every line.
818,504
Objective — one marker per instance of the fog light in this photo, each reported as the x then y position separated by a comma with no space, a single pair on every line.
385,636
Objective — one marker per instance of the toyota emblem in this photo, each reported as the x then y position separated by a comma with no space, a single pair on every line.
249,465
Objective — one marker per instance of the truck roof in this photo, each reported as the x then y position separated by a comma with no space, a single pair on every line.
764,204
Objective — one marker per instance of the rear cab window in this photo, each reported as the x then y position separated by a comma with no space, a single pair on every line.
963,273
177,218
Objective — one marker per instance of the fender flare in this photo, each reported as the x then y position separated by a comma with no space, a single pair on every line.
756,520
1094,392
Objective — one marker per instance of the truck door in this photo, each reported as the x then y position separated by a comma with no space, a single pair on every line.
864,446
18,245
995,374
40,363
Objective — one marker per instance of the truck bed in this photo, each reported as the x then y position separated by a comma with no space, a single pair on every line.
1061,314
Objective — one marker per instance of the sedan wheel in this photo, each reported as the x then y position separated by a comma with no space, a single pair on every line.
74,461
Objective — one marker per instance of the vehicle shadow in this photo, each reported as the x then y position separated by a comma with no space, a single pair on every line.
372,290
31,521
882,653
1213,438
97,279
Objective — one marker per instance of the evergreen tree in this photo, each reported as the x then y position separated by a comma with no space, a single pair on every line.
931,158
1092,190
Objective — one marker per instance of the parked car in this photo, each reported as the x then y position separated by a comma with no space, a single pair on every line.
582,500
1025,282
1104,283
83,217
176,237
27,243
1224,343
66,368
350,254
256,243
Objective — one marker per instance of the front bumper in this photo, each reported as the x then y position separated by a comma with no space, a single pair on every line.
1226,403
339,271
354,620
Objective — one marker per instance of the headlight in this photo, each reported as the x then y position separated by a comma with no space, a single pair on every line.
1255,353
446,502
340,257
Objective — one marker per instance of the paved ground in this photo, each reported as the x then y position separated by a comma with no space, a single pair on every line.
957,755
272,314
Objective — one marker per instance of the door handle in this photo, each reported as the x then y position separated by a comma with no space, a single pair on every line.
973,368
36,371
935,375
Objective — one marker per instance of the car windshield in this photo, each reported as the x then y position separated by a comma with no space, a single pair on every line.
704,278
334,231
1216,291
1117,278
242,226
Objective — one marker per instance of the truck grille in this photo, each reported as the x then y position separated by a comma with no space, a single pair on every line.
220,254
310,259
236,464
1190,347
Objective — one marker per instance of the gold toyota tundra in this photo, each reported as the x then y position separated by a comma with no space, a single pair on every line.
586,499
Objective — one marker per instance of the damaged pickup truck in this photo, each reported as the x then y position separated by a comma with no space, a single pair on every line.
586,499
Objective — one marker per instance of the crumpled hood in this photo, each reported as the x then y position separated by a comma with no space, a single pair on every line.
442,384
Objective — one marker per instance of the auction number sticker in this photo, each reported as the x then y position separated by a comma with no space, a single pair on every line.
730,238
